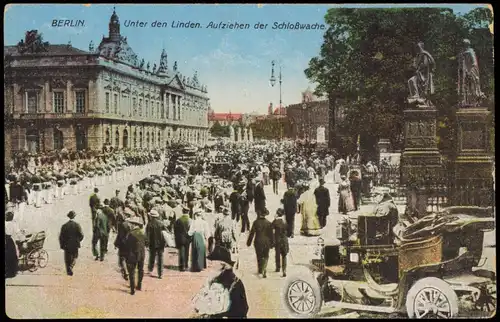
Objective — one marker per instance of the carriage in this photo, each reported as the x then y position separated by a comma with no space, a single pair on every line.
432,271
31,253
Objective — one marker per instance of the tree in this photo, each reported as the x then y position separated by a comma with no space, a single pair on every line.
367,58
218,130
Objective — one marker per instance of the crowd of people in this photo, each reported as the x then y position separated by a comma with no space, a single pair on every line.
201,212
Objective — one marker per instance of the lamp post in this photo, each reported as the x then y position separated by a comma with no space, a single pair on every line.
304,107
272,81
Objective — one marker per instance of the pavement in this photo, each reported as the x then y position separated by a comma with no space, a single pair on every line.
97,289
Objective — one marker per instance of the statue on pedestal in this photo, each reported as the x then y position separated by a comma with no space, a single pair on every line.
469,89
231,133
245,134
421,85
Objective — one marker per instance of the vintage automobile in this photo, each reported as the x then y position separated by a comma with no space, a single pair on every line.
432,269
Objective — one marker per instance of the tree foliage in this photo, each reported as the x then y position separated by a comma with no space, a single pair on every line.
367,57
217,130
271,128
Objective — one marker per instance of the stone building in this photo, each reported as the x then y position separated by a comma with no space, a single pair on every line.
58,96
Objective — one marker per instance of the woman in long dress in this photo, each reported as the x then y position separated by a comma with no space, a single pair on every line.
308,207
12,234
346,203
336,172
200,231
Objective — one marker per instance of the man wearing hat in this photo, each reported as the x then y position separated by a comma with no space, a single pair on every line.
259,197
182,238
225,230
122,228
155,241
238,304
116,202
100,235
262,230
93,202
290,209
322,195
135,245
234,199
69,239
280,237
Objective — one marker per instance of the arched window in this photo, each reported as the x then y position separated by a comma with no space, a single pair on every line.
58,140
117,139
81,139
107,140
125,139
33,141
159,138
147,140
140,140
153,142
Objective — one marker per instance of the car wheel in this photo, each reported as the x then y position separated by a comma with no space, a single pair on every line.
301,296
431,297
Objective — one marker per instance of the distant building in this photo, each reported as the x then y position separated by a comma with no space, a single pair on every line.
225,119
58,96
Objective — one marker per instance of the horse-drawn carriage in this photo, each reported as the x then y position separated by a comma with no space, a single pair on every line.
431,271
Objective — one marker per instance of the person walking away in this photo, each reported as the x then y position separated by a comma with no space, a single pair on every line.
70,237
250,189
355,185
244,207
182,239
265,174
346,203
259,198
155,242
262,230
219,200
210,217
101,234
110,213
275,175
234,199
93,202
237,304
122,231
135,245
281,247
290,209
308,208
116,202
199,231
344,168
322,195
225,231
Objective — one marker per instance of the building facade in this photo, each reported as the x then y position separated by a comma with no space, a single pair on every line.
58,96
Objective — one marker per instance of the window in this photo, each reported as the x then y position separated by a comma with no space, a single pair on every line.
146,108
31,102
162,111
126,105
80,101
58,140
115,103
140,106
158,110
58,102
107,102
134,105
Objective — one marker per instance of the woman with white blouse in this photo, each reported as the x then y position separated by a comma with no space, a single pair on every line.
200,231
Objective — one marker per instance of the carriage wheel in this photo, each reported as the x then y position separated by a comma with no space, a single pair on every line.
302,296
31,261
43,258
431,297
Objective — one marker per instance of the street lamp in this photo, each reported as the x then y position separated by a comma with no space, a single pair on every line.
272,80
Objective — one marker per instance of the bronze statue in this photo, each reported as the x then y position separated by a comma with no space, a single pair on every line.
469,89
421,85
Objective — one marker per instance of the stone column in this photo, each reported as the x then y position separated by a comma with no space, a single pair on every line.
180,111
421,160
473,181
70,104
165,106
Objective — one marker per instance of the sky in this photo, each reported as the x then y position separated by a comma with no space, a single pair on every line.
234,64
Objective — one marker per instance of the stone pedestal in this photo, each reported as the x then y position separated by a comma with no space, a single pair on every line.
473,181
384,145
421,160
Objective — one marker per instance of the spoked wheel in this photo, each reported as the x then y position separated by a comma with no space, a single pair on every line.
302,296
32,261
431,297
488,298
43,258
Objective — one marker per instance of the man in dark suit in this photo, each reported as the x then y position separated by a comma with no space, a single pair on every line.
264,241
182,239
281,240
93,202
290,209
244,207
260,198
234,199
116,202
110,213
122,228
135,244
69,239
250,188
322,195
155,241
